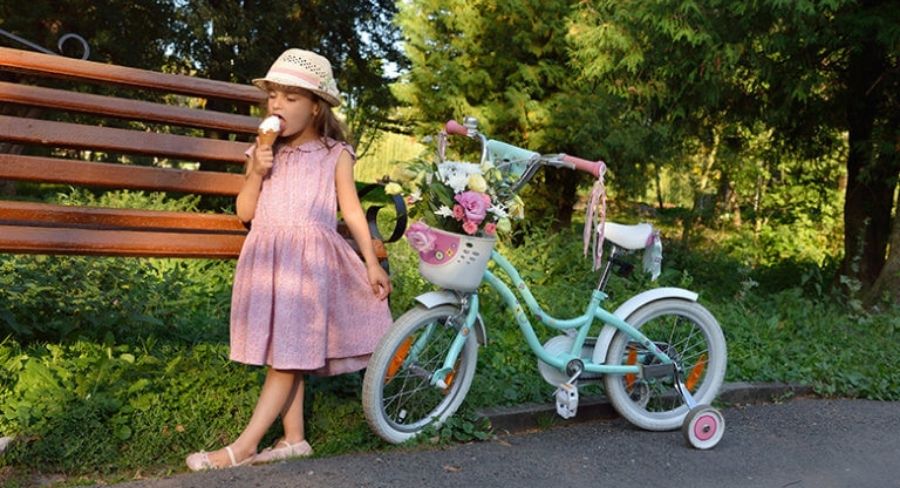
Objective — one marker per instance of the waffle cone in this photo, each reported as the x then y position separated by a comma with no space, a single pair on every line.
267,138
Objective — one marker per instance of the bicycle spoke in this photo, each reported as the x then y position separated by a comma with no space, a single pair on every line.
409,400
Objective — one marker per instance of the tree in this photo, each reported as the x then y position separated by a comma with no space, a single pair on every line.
125,32
238,41
809,70
505,63
232,40
888,283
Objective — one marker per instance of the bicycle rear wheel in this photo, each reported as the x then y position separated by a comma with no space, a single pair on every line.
398,398
688,334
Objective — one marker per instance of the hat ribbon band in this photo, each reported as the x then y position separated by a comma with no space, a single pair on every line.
311,79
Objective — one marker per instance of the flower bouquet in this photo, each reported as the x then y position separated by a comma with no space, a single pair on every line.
457,208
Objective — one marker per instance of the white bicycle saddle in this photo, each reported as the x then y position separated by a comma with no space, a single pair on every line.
629,237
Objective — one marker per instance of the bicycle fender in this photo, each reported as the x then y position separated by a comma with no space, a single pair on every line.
433,299
627,308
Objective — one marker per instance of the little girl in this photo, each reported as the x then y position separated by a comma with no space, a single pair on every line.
303,302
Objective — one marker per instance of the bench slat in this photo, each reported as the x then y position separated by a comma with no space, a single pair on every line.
92,242
113,175
19,239
36,96
63,67
63,134
50,215
42,228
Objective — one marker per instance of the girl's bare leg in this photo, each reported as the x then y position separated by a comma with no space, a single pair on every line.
277,391
292,416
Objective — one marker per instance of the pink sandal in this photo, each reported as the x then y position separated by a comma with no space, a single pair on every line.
199,461
275,453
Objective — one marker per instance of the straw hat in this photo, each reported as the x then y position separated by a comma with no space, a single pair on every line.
303,69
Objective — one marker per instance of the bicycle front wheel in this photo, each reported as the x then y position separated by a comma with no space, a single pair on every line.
688,334
398,398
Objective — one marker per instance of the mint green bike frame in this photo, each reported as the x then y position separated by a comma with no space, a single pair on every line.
582,324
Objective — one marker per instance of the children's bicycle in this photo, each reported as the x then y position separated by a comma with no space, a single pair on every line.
661,356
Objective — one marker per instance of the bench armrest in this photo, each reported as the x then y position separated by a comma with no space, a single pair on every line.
372,215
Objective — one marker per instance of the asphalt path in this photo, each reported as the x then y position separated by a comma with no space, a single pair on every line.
805,442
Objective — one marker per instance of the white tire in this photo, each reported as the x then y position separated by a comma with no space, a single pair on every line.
398,399
688,333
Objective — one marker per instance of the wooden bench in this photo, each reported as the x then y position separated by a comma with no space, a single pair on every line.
162,134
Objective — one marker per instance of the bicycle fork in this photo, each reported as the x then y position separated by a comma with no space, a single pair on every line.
469,309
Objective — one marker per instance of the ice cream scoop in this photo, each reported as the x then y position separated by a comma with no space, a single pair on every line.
270,129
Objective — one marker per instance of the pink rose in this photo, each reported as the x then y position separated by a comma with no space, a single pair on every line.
474,204
490,228
420,237
470,227
458,212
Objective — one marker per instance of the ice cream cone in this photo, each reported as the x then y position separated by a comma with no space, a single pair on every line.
269,130
267,138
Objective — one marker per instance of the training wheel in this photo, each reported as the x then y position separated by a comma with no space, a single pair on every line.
703,427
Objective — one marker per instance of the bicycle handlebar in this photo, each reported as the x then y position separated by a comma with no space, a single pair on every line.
455,128
509,151
594,168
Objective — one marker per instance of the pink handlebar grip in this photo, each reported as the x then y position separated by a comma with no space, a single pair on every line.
592,167
455,128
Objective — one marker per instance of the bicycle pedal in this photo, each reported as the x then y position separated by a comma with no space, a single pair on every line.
567,400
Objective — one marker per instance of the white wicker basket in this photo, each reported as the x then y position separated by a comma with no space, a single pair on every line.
457,262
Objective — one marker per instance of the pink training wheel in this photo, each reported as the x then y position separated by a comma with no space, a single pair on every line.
703,427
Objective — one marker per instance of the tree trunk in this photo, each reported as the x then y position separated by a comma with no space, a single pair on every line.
727,200
657,173
700,184
887,285
870,181
561,193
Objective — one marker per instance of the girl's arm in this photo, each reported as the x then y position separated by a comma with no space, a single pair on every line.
353,215
259,163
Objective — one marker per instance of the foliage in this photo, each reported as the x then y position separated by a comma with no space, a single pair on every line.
505,63
96,407
804,72
234,41
123,32
239,40
63,298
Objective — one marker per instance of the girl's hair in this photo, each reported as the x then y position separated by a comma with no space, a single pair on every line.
326,123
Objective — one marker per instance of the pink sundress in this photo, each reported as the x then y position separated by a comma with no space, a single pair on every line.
301,297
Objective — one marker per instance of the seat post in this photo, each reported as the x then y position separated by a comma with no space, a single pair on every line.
605,276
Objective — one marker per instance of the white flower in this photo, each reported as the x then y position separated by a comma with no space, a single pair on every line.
415,196
458,167
456,174
499,210
444,211
457,181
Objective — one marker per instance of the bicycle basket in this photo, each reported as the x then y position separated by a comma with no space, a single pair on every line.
456,261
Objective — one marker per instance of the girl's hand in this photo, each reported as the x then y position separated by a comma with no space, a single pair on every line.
378,278
263,158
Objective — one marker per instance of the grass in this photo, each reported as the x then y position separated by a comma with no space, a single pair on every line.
114,368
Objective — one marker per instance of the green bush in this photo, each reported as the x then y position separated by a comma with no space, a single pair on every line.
64,298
